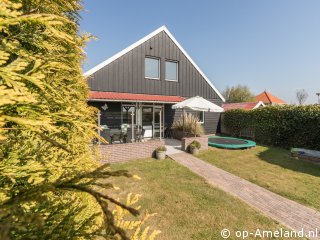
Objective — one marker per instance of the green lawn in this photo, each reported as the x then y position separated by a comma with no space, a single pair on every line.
273,169
186,206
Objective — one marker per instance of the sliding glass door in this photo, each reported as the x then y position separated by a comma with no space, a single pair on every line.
158,121
152,120
149,117
147,121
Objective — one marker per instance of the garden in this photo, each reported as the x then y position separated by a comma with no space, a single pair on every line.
271,168
282,126
52,187
187,206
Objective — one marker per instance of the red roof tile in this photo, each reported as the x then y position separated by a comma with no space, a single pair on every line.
243,105
268,98
134,97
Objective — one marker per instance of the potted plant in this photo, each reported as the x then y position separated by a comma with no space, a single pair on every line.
161,152
194,147
187,125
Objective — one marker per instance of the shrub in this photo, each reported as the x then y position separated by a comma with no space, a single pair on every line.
195,144
190,124
283,126
161,149
51,187
237,120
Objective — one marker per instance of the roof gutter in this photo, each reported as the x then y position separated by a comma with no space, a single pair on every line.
117,100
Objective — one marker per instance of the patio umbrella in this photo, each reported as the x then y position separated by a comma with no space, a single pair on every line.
197,104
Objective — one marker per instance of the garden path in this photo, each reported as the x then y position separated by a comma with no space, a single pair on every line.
291,214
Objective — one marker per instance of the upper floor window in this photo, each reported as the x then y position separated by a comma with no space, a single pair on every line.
171,71
152,68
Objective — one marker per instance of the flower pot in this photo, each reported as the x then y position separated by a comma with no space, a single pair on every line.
177,134
194,151
160,155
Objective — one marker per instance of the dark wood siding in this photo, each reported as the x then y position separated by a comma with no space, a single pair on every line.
126,74
111,116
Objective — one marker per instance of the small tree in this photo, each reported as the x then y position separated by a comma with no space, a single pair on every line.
301,96
239,93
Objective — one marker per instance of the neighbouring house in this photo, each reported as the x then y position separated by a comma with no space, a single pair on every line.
269,99
140,84
243,105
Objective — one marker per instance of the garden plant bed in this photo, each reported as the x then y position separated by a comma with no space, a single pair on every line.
187,207
273,169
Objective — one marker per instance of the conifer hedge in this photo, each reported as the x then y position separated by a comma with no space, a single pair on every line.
51,187
283,126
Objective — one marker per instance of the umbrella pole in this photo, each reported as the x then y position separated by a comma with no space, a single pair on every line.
183,113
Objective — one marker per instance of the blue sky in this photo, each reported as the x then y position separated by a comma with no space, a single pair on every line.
267,45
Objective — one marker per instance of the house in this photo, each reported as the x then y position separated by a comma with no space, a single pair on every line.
140,84
243,105
269,99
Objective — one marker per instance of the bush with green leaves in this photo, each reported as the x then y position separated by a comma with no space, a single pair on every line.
283,126
195,144
161,149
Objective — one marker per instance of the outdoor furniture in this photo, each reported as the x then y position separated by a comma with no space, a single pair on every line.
116,136
106,134
137,135
124,127
140,135
129,136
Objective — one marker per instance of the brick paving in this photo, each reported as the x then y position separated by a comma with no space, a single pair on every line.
291,214
112,153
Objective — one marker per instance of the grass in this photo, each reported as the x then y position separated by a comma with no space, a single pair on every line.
273,169
186,206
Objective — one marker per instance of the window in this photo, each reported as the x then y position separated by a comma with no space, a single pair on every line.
171,71
200,116
152,68
147,116
126,114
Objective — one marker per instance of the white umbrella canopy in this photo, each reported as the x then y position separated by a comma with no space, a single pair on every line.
198,104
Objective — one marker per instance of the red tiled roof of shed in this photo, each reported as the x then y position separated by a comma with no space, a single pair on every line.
243,105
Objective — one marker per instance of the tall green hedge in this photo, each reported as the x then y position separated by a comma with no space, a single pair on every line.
283,126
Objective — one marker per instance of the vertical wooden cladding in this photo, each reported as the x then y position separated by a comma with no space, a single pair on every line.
126,74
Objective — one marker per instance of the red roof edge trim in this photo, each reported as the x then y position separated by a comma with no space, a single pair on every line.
95,95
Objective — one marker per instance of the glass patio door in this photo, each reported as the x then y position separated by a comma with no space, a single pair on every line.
147,121
158,121
152,119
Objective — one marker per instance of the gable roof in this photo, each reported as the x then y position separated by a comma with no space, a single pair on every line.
268,98
243,105
146,38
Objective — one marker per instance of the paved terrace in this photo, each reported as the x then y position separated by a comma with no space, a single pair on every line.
173,146
289,213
